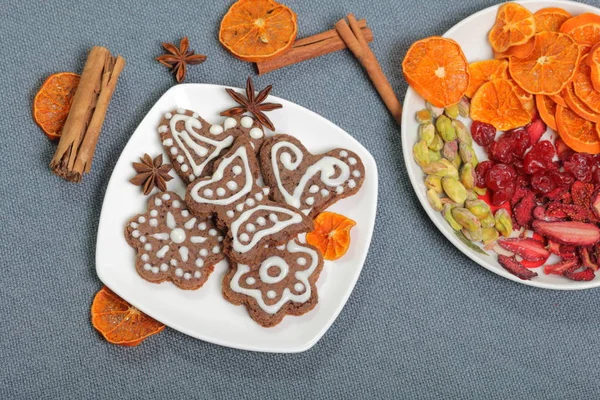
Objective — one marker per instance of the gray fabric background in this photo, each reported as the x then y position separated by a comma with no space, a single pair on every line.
423,322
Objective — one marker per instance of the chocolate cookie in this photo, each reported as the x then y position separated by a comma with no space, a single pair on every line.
279,285
172,244
253,221
194,145
308,182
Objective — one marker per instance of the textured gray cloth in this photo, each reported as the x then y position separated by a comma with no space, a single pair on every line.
423,322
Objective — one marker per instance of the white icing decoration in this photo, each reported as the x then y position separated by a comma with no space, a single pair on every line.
155,270
216,130
166,196
250,227
134,225
256,133
158,202
343,153
221,192
202,226
306,211
352,161
220,238
324,192
176,204
190,224
147,247
326,166
259,196
339,190
261,221
236,170
260,181
310,201
277,227
216,250
135,234
191,177
301,261
266,191
163,250
282,247
188,135
173,262
271,294
313,189
181,111
195,115
286,295
246,122
197,274
240,153
153,222
351,184
168,115
187,276
185,213
356,173
154,213
197,239
230,123
250,202
244,238
230,213
141,219
212,232
178,235
232,185
171,221
180,159
184,253
168,142
240,207
147,267
179,272
203,252
199,263
143,239
208,193
164,267
298,287
174,150
145,257
184,168
163,129
250,280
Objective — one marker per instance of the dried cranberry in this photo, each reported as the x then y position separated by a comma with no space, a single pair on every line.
579,165
502,150
536,130
501,196
562,150
561,179
539,157
596,176
481,171
500,176
520,141
483,134
542,183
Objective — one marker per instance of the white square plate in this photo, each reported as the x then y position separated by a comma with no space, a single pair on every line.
204,313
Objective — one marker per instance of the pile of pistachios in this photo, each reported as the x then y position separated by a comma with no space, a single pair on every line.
445,153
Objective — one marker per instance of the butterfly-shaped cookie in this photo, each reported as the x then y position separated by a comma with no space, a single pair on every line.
308,182
194,145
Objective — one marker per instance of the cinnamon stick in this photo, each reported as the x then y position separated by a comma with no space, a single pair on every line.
311,47
351,35
82,127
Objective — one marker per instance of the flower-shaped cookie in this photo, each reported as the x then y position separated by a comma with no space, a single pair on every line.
172,244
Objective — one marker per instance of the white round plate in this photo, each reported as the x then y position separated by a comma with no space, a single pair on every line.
204,313
471,33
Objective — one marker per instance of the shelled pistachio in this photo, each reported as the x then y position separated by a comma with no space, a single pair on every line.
421,154
444,128
435,183
466,218
467,176
503,222
441,168
489,235
454,189
427,133
452,111
434,200
447,213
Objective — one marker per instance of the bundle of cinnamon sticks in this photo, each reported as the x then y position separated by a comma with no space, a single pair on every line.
82,127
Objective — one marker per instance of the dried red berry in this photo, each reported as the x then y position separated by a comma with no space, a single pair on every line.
523,211
483,134
562,150
581,193
527,248
562,267
481,172
536,130
587,260
499,197
585,275
595,203
500,176
542,183
539,158
514,267
578,164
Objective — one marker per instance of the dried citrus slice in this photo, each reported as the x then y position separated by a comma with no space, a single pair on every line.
483,71
579,134
258,30
578,106
593,62
497,103
547,109
514,25
584,89
331,234
438,70
52,102
550,19
549,67
119,322
519,51
584,29
527,99
558,99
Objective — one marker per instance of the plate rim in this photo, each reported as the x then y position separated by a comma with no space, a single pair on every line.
215,340
408,162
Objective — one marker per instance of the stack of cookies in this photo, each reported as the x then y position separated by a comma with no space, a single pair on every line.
250,199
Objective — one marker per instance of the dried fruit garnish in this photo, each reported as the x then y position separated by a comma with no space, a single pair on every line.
53,102
119,322
252,104
151,173
514,25
331,234
569,233
177,59
497,103
515,268
529,249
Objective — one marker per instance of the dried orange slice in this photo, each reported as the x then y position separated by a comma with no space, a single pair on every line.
550,19
579,134
483,71
584,89
584,29
331,234
519,51
258,30
514,25
547,109
119,322
438,70
52,102
497,103
549,67
558,99
593,61
527,99
578,106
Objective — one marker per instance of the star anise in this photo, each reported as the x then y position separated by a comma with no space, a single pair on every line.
252,104
151,173
178,58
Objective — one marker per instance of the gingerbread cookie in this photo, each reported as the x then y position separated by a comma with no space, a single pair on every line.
194,145
310,183
282,284
252,219
172,244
